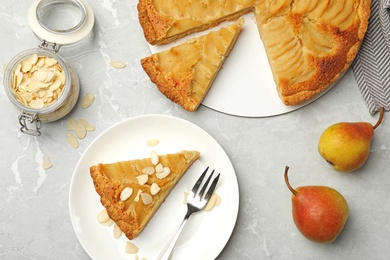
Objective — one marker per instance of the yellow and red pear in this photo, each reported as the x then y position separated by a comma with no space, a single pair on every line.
346,145
319,212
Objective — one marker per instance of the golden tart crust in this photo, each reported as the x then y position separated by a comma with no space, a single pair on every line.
309,44
185,73
131,215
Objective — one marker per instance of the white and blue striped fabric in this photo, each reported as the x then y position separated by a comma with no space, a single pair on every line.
372,64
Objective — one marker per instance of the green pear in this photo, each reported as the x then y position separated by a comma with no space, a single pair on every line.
346,146
319,212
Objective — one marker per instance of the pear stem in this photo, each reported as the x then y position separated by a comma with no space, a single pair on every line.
381,113
288,183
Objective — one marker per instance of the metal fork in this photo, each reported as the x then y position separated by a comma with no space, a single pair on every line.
195,202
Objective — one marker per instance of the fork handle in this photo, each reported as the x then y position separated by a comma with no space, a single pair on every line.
167,251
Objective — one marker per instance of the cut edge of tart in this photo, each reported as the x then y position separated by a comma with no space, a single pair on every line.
186,72
165,21
132,191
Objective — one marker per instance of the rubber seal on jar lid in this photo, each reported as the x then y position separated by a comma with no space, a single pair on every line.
62,22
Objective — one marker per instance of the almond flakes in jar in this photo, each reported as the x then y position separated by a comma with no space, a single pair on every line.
42,87
39,82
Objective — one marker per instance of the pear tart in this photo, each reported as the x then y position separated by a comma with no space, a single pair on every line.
185,73
132,191
309,44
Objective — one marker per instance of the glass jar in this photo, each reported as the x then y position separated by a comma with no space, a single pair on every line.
56,23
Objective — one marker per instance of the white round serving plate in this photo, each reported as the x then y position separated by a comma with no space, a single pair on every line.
245,85
206,233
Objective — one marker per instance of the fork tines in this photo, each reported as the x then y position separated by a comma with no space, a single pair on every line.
212,186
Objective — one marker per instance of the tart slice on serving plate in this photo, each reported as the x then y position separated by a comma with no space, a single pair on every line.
132,191
185,72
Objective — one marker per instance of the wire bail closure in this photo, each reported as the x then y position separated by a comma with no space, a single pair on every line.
25,120
50,46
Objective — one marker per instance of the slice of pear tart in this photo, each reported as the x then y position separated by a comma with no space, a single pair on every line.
132,191
185,73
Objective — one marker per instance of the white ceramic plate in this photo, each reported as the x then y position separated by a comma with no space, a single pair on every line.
206,233
245,85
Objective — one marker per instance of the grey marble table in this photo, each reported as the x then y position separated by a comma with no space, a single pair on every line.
34,215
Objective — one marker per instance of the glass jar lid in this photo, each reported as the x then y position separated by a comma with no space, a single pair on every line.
62,22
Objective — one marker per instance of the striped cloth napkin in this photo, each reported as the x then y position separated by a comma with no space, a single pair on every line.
372,64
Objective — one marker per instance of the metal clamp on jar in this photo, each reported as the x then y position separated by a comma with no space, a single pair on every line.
38,81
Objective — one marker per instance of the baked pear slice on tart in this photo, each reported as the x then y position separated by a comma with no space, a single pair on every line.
185,72
132,191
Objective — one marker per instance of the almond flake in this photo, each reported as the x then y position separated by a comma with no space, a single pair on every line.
46,164
50,61
152,142
108,223
33,58
87,125
117,64
26,66
137,196
72,140
131,248
37,103
159,168
154,188
126,193
103,217
117,232
146,198
142,179
71,124
80,131
165,173
154,157
87,100
55,85
148,170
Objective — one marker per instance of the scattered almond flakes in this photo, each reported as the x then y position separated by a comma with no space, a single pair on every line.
103,217
154,157
117,64
117,232
80,128
80,131
108,223
46,163
87,125
71,124
131,248
87,100
72,140
152,142
38,81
